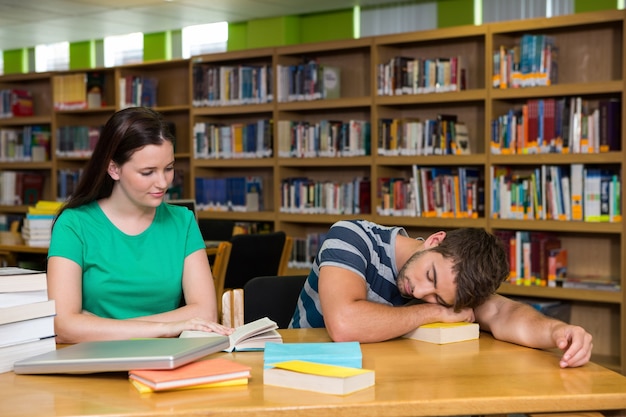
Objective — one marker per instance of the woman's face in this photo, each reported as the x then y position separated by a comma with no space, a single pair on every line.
146,176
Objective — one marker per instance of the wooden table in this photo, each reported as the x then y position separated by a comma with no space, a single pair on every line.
412,379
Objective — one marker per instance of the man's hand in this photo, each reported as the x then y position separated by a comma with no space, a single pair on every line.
575,342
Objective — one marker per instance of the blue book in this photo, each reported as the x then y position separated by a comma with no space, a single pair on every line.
330,353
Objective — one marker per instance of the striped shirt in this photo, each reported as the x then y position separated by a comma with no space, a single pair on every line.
365,248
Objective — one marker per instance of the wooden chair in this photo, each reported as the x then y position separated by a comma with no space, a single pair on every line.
218,270
267,296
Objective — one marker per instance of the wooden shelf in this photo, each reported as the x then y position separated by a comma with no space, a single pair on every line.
591,64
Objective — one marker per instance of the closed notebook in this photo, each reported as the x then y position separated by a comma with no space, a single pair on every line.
441,333
196,373
331,353
311,376
121,355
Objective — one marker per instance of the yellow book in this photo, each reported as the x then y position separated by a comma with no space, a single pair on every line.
318,377
45,207
144,389
441,333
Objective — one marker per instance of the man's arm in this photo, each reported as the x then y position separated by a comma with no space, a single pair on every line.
519,323
350,317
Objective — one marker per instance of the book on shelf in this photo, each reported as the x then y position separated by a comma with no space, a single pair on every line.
331,82
45,207
317,377
95,89
69,91
590,283
21,103
13,353
250,336
197,373
442,333
14,279
330,353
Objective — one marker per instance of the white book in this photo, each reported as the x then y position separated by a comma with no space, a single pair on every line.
20,313
14,279
11,354
250,336
318,377
442,333
27,330
16,298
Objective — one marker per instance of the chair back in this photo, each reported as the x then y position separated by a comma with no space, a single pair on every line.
272,296
218,270
254,255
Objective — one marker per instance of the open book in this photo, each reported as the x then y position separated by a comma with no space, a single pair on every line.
250,336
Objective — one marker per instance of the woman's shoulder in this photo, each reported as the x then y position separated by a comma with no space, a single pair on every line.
80,212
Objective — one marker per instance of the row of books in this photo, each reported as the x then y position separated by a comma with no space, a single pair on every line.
77,141
304,250
308,80
16,103
539,259
413,75
562,125
243,194
21,187
534,62
138,91
26,316
442,136
326,138
433,192
236,140
67,180
229,85
535,258
81,90
28,143
302,195
558,192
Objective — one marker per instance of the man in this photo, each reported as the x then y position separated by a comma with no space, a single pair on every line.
364,274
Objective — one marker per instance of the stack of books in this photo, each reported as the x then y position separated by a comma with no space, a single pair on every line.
208,373
37,227
26,316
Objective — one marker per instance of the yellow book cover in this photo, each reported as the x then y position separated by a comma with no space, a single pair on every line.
144,389
318,377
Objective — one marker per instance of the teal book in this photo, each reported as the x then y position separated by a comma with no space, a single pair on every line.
329,353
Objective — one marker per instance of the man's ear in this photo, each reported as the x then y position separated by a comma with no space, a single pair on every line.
113,171
434,239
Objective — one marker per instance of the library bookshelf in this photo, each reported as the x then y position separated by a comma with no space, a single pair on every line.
591,65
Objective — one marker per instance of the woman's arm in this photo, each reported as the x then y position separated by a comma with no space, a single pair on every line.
73,325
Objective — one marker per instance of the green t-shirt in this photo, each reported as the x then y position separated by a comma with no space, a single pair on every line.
127,276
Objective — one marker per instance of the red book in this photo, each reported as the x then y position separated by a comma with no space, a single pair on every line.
196,373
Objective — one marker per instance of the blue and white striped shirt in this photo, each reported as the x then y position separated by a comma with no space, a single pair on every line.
365,248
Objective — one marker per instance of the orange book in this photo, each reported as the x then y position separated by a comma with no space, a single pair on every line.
196,373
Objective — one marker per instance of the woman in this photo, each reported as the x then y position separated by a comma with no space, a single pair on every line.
121,260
